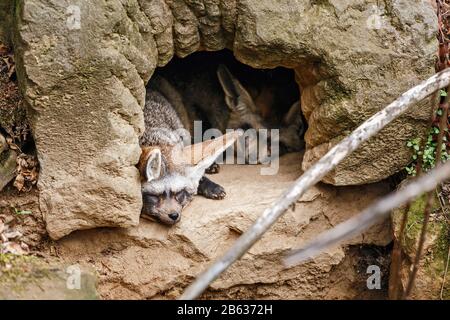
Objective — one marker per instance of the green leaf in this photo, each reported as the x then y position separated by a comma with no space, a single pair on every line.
442,93
22,212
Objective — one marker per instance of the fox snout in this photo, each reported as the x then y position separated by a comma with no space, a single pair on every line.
162,208
165,208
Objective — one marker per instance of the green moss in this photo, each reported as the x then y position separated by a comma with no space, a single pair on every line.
435,257
415,221
17,270
29,277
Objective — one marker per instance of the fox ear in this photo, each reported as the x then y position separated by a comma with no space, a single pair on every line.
294,118
293,114
152,165
237,97
202,155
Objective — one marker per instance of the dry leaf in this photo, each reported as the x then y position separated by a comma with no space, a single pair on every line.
13,248
27,172
3,50
19,182
13,234
10,65
24,246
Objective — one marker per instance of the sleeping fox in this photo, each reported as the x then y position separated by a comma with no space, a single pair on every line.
172,169
173,172
211,93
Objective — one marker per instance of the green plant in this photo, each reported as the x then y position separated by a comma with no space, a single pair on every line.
429,152
22,212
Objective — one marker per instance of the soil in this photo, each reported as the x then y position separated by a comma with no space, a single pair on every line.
119,256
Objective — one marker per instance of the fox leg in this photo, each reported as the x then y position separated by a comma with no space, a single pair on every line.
213,169
210,190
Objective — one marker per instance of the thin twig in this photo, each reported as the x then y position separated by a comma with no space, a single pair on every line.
396,263
313,175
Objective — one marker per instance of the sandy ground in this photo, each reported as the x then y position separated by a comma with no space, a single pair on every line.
153,261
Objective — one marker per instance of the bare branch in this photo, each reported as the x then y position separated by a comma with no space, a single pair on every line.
373,214
313,175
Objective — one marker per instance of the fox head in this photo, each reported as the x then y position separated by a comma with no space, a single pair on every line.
246,113
171,174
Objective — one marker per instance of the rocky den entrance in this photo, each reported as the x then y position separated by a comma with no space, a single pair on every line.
83,70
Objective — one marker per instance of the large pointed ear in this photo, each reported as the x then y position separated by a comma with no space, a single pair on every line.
202,155
150,164
237,97
293,116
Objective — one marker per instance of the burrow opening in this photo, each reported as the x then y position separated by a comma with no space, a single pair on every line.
274,93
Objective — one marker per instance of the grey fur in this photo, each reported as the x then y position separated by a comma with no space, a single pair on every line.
161,121
218,98
169,181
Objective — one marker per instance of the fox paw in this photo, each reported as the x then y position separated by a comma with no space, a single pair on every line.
213,169
211,190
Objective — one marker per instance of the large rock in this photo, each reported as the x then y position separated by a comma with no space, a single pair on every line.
154,261
83,68
352,58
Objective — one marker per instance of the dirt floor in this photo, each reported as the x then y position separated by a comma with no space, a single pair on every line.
124,260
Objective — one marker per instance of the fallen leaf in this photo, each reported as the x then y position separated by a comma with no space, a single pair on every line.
13,234
19,182
11,71
3,49
27,172
13,248
25,246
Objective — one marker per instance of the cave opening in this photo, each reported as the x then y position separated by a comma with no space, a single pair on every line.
271,97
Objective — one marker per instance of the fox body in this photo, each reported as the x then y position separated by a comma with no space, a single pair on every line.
172,169
211,93
173,172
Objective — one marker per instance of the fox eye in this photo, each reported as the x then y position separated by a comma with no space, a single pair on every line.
182,196
151,199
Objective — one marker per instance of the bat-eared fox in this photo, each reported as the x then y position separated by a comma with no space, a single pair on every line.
173,169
